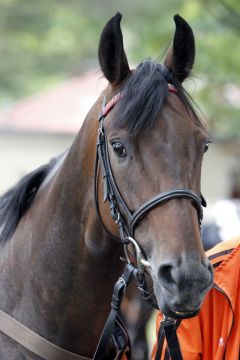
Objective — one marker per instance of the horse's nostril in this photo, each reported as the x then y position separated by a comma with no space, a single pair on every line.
165,273
210,269
186,275
208,265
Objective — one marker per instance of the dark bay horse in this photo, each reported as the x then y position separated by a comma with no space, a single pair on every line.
59,260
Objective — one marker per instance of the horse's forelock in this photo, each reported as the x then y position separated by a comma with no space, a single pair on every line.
145,94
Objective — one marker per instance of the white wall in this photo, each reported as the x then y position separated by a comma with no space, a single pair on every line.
218,164
21,153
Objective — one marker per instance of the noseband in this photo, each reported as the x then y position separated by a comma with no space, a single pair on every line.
127,223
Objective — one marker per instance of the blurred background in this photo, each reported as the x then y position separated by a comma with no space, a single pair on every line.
50,77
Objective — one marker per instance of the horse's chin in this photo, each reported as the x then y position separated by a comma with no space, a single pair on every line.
177,314
178,305
175,310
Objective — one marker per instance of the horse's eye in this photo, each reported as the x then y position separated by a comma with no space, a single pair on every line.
119,149
206,147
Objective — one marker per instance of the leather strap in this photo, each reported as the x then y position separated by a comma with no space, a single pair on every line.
121,341
117,239
118,292
172,339
34,342
163,197
160,342
168,328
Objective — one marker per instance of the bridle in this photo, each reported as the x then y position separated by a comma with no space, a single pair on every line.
128,222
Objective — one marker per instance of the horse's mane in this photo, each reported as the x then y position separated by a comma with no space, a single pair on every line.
145,94
18,199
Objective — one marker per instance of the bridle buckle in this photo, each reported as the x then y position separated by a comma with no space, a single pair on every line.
142,263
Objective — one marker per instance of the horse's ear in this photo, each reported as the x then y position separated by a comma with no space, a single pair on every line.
111,54
180,57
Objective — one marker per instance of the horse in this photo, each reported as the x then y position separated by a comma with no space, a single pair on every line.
63,225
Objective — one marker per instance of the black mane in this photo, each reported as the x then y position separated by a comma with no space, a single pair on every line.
17,200
145,94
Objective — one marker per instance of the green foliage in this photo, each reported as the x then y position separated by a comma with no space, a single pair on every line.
43,42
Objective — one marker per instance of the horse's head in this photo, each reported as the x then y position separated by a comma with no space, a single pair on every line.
155,146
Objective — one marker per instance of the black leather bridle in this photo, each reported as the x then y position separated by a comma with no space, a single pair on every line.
127,222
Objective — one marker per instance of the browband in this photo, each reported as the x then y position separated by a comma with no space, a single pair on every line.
108,107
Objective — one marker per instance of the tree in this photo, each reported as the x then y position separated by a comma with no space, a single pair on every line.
44,42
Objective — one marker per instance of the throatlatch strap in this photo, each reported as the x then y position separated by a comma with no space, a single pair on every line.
34,342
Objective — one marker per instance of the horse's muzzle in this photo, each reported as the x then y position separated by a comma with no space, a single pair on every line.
180,290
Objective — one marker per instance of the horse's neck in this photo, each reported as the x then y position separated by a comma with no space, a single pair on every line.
63,263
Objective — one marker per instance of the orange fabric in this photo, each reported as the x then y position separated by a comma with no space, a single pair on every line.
216,329
124,357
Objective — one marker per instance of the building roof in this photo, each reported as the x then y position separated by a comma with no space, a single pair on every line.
59,110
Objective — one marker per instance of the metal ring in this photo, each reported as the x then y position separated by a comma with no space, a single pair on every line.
141,261
124,282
